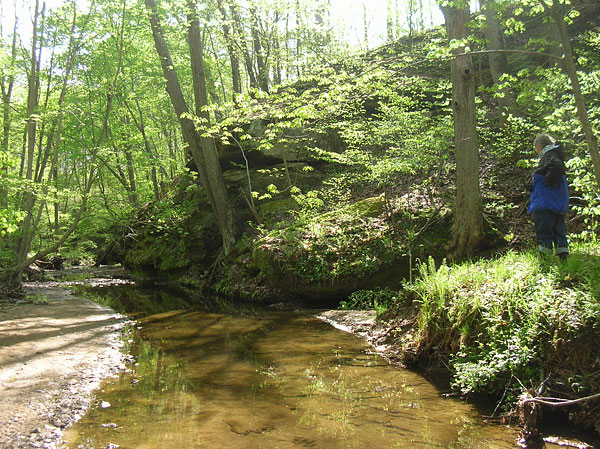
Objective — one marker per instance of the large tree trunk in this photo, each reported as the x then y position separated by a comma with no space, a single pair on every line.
222,204
468,226
210,171
556,12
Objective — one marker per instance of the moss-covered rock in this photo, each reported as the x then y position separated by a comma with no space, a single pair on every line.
333,254
172,235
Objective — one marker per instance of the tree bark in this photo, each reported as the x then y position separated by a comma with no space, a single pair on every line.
209,171
7,83
32,104
230,44
238,33
497,58
263,71
222,205
557,15
467,230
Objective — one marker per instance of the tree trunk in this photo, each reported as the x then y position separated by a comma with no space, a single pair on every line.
141,126
216,181
200,148
32,104
592,141
7,83
411,22
497,58
467,230
230,44
277,52
390,21
365,26
238,31
263,72
298,39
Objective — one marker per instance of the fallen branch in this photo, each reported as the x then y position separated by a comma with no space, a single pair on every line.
559,402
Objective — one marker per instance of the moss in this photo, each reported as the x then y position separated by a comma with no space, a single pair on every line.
333,254
277,206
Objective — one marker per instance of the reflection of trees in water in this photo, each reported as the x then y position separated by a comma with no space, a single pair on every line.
206,379
132,300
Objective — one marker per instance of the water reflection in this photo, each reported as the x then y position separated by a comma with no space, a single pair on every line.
271,380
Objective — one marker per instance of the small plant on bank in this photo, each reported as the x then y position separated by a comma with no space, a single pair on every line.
37,299
379,299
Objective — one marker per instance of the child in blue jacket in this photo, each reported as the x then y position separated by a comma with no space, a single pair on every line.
549,199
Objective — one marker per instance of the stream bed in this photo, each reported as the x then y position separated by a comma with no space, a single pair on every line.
222,378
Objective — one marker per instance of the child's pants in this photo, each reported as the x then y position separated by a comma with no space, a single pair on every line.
550,231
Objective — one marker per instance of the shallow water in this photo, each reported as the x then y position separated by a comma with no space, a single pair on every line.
267,379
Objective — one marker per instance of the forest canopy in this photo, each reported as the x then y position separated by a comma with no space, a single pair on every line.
108,105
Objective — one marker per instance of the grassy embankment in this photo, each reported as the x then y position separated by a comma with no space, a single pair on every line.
511,323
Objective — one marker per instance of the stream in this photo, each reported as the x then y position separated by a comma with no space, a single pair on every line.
220,377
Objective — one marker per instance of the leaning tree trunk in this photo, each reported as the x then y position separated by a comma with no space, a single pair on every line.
223,207
217,193
592,141
467,230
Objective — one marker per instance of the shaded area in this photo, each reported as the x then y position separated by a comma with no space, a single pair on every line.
52,355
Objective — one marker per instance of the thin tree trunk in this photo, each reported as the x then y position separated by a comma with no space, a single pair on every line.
263,72
32,104
277,51
7,84
390,21
557,15
365,26
230,44
238,32
298,39
141,126
497,58
468,226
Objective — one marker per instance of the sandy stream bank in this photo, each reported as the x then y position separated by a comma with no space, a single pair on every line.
53,354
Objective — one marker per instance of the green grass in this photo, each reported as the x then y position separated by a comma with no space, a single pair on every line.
509,322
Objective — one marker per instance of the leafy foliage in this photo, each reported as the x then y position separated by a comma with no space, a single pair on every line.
500,323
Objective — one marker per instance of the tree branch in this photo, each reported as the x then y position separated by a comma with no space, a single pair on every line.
560,402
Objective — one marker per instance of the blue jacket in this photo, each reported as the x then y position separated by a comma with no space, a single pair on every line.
550,189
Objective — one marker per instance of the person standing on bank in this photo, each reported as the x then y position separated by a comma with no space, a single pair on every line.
549,199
